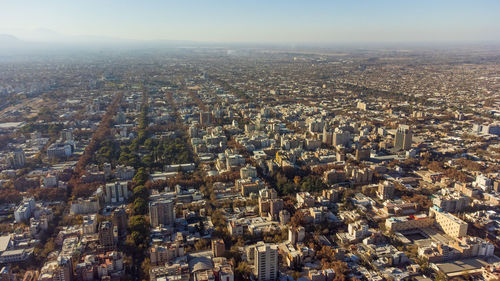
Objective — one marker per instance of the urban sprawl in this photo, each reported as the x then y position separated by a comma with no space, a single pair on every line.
217,164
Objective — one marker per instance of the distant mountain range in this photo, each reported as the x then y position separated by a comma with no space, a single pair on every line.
9,39
50,39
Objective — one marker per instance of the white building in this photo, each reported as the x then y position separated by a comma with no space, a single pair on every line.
16,255
16,159
85,206
296,234
50,181
341,137
59,150
248,172
234,160
124,172
24,210
358,230
483,182
266,262
116,192
89,225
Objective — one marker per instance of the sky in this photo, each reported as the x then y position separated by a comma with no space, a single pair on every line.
258,21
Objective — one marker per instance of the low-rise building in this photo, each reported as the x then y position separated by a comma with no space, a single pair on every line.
408,222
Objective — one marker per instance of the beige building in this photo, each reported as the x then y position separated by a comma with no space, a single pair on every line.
248,172
248,186
340,137
408,222
361,105
161,213
385,190
451,203
160,255
59,270
403,138
448,223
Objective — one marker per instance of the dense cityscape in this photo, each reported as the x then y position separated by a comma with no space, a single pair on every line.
222,164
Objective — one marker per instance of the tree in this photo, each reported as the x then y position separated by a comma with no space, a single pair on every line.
298,219
140,177
41,254
441,277
141,192
201,244
297,180
243,271
140,206
421,200
145,267
296,275
109,151
200,228
98,136
218,219
138,223
369,191
312,184
139,230
147,160
9,195
84,189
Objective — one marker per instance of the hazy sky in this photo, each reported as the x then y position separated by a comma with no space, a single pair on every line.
257,20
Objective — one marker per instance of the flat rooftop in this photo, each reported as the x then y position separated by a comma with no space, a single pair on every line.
460,267
11,125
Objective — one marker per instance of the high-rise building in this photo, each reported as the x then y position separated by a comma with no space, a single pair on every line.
362,154
89,224
66,135
161,213
218,247
119,218
57,270
496,186
269,204
402,141
341,137
266,262
116,192
106,237
6,274
451,202
385,190
284,217
17,159
275,206
64,269
205,118
120,117
24,210
327,136
59,150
